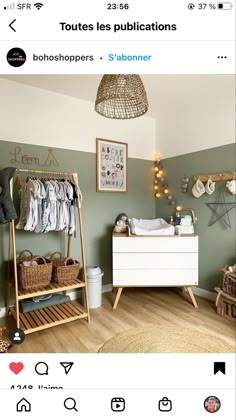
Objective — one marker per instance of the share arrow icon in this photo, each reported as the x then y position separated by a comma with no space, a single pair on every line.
67,366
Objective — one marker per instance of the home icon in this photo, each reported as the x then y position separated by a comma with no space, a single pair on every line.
23,405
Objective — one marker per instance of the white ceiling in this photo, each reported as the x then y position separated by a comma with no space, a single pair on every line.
164,91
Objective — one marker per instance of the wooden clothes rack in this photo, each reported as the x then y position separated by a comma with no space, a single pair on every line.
55,315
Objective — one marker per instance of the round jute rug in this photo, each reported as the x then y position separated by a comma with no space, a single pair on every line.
165,340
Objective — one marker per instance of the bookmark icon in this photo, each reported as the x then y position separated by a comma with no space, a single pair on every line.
219,367
67,366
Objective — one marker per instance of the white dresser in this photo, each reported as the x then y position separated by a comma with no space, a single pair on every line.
155,261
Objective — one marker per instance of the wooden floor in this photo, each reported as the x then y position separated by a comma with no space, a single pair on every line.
137,308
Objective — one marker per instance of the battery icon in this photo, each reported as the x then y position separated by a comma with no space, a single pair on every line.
224,6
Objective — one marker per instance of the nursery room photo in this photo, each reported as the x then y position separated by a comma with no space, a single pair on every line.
117,213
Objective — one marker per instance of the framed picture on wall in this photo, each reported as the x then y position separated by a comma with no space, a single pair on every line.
112,158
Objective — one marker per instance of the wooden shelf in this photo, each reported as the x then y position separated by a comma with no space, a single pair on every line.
226,176
50,317
51,288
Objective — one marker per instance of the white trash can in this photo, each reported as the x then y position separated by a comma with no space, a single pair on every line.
94,282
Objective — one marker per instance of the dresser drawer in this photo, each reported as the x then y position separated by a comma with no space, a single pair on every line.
163,244
151,260
155,277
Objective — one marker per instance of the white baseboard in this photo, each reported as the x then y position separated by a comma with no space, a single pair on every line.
196,290
108,287
204,293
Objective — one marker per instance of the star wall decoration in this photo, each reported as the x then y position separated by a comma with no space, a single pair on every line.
220,210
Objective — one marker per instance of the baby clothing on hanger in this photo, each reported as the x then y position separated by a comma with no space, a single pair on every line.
48,205
32,211
79,198
26,198
51,208
40,197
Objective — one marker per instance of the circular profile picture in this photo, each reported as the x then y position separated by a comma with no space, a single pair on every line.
17,336
212,404
16,57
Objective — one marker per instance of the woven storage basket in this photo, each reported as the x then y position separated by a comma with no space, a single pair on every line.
20,259
56,262
34,276
226,305
62,274
23,257
229,283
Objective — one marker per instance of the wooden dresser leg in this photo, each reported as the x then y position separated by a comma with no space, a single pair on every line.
189,289
119,291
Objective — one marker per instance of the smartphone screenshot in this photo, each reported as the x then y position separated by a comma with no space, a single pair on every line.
117,209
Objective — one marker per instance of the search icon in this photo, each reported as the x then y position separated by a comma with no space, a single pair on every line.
70,404
41,368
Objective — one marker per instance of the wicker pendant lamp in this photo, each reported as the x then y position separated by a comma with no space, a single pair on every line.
121,96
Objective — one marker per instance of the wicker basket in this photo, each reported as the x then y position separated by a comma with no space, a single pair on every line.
63,274
23,257
56,262
229,283
120,228
225,305
34,276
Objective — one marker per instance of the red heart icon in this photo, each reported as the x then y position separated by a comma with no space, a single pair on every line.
16,367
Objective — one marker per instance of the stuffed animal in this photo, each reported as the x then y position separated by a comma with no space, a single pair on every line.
122,219
121,223
7,209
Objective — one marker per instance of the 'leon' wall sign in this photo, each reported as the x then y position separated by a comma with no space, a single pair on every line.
18,156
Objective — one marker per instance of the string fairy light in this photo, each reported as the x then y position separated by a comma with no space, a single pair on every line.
161,188
178,208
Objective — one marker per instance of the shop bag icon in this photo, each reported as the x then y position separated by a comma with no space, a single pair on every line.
165,404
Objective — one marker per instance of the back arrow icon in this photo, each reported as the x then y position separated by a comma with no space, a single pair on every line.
12,26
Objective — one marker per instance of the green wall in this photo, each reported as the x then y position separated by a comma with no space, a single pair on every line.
216,243
99,209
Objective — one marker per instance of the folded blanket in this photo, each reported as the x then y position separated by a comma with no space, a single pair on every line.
151,227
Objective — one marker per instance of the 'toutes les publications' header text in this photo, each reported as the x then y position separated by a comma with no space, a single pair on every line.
129,26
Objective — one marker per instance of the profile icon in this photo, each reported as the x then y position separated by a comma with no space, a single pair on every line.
212,404
16,57
16,336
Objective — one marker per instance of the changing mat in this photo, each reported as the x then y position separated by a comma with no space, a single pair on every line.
151,227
